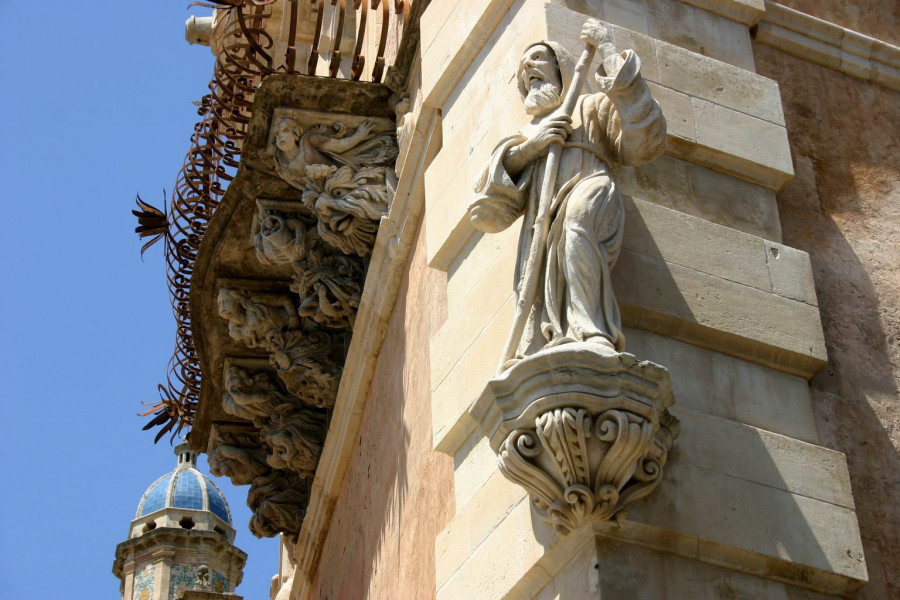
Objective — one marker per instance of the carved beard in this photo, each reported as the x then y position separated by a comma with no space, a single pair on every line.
542,98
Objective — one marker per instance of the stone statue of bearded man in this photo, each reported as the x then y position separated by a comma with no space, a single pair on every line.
620,124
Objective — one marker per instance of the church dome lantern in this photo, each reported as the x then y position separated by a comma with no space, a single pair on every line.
184,489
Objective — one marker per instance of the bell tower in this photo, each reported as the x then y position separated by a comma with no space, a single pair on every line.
181,539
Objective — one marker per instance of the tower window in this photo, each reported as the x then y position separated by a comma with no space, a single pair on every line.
186,523
149,526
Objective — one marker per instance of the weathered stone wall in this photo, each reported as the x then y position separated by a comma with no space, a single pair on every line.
843,208
399,492
877,18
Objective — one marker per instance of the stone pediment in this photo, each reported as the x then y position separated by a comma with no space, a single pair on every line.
277,282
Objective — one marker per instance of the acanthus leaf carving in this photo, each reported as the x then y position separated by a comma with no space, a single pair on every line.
585,432
578,466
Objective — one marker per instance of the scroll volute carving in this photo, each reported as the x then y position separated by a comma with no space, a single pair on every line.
579,466
586,433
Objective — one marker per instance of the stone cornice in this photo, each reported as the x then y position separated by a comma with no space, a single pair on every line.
160,543
829,45
748,12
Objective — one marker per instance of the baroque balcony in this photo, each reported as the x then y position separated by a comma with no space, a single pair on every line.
271,231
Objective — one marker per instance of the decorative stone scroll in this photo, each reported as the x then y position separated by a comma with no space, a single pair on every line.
585,433
578,423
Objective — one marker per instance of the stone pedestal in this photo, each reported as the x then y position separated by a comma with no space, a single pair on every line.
584,430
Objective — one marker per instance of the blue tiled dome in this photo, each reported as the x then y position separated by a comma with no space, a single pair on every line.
185,487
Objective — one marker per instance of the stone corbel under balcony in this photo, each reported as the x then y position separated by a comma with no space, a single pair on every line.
278,282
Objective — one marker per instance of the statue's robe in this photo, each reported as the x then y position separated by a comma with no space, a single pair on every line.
621,124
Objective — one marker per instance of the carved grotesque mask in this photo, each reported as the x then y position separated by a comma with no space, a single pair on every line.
349,208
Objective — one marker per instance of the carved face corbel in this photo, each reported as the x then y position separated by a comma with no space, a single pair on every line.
251,395
295,436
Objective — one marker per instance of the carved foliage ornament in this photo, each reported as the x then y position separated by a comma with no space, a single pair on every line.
578,466
585,432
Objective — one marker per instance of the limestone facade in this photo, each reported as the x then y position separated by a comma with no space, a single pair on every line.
351,352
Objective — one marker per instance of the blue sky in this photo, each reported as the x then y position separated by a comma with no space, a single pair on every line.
96,106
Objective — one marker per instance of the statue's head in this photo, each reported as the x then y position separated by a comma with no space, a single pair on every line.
545,70
230,305
287,135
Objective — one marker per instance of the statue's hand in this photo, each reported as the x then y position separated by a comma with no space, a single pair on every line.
595,34
553,130
365,129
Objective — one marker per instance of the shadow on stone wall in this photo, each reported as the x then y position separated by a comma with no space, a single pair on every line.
399,492
843,207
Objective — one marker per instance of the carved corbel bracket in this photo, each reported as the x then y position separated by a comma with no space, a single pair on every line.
278,496
272,330
308,359
586,432
328,282
343,165
235,451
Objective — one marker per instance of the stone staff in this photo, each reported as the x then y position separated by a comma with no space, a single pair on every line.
532,267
